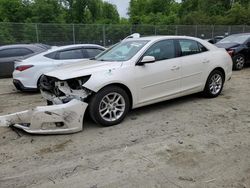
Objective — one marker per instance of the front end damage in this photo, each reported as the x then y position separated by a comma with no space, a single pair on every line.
64,113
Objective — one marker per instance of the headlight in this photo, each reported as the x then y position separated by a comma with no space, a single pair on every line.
76,83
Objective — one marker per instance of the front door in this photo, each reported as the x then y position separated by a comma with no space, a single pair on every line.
159,79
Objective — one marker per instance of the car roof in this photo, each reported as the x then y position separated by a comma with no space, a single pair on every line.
33,47
153,39
74,46
240,34
160,37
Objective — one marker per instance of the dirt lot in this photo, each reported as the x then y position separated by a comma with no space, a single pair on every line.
188,142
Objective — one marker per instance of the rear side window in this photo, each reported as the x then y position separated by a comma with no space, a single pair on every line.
202,48
162,50
190,47
51,55
70,54
15,52
92,52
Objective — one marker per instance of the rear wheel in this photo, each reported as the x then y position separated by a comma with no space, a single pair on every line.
214,84
238,62
109,106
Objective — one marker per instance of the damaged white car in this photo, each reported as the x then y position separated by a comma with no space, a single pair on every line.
133,73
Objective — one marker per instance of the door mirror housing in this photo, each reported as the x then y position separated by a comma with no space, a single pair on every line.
146,59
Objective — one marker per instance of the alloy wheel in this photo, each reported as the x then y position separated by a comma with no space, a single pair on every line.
112,106
215,84
240,61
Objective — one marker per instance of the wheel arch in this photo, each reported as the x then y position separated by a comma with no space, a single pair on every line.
216,68
125,88
221,70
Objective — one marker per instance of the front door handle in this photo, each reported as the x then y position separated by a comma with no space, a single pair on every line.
174,68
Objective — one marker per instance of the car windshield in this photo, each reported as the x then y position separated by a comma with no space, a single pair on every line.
122,51
240,39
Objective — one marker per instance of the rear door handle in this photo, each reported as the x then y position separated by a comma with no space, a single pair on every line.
174,68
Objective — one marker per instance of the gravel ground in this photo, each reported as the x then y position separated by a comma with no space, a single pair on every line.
186,142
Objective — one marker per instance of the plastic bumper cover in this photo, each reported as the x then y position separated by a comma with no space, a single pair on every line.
55,119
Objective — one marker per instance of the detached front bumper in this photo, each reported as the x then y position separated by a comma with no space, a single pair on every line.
55,119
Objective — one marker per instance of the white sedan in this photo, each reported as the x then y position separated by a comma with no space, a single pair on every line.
133,73
28,72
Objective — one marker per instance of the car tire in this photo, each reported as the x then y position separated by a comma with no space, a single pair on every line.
214,84
109,106
238,62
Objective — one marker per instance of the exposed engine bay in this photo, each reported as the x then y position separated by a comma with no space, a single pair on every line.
60,92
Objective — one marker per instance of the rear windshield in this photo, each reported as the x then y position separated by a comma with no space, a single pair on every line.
239,39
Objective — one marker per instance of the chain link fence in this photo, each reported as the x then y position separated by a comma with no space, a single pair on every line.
106,35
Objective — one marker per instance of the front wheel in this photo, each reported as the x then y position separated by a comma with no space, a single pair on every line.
109,106
238,62
214,84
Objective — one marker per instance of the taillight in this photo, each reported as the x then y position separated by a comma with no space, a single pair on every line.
23,67
230,52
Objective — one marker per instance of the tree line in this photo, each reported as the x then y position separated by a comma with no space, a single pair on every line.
58,11
190,12
155,12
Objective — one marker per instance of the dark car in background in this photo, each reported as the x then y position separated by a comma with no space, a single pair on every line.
11,53
238,46
215,39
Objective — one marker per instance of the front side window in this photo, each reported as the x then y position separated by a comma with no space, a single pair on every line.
162,50
190,47
70,54
122,51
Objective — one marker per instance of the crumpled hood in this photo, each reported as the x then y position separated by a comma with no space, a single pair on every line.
227,45
82,68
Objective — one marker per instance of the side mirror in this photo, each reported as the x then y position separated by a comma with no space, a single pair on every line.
146,59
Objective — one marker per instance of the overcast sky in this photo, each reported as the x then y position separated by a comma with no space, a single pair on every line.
122,6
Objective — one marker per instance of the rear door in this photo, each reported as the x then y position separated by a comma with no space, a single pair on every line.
194,61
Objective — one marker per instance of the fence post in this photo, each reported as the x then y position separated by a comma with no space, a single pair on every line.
229,30
244,28
73,33
155,30
176,30
212,31
37,37
196,30
104,35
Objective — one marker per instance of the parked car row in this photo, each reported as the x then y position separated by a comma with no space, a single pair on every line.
135,72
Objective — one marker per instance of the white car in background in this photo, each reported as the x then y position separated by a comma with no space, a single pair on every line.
28,72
